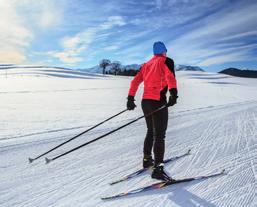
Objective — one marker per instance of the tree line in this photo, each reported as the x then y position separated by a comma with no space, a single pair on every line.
115,68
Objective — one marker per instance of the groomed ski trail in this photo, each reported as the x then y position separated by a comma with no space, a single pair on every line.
225,139
217,121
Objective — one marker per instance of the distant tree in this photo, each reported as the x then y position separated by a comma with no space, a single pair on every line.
104,63
116,67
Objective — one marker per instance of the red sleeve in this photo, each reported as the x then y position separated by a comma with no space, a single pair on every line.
135,83
169,76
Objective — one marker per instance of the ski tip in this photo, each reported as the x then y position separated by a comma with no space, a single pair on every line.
31,160
189,151
108,198
223,171
115,182
47,160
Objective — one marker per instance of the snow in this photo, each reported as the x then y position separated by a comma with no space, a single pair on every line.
216,116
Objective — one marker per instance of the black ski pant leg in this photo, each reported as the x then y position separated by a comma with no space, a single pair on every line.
156,129
160,122
148,143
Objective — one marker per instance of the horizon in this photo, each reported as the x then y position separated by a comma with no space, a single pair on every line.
213,35
2,66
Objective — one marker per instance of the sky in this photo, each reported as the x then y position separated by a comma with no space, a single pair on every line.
212,34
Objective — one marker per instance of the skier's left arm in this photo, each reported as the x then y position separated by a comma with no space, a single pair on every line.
169,73
170,64
168,69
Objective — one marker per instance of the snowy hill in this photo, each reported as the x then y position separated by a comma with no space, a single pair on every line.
240,73
216,116
95,69
188,68
14,70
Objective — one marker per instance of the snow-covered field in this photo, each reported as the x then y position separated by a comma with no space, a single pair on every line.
216,116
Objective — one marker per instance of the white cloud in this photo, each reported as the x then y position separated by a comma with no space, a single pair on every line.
207,42
240,35
169,13
16,26
43,14
15,36
112,21
12,55
69,57
71,42
239,56
73,46
227,23
80,40
50,15
111,48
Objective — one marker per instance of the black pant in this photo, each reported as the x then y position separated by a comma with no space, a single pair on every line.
156,128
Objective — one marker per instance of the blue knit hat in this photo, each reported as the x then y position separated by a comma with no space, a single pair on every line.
159,48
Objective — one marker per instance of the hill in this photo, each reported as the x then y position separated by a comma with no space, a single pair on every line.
188,68
240,73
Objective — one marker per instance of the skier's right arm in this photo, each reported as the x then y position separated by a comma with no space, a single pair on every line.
133,89
137,80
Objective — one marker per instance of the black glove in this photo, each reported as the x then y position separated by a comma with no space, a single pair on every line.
130,103
173,97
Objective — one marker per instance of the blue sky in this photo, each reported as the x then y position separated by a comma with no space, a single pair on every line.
212,34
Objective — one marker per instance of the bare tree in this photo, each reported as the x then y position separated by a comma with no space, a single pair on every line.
116,67
104,63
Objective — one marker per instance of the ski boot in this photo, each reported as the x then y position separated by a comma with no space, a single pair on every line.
148,161
159,173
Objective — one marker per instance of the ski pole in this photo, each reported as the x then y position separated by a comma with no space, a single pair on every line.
32,159
102,136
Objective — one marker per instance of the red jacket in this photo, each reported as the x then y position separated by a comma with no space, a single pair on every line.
156,76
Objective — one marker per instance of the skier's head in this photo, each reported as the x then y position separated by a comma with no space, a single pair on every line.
159,48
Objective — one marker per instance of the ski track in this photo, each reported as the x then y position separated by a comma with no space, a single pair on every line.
227,141
56,91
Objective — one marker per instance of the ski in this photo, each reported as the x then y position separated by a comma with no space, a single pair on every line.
138,172
161,185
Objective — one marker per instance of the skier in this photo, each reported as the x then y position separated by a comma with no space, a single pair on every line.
158,76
